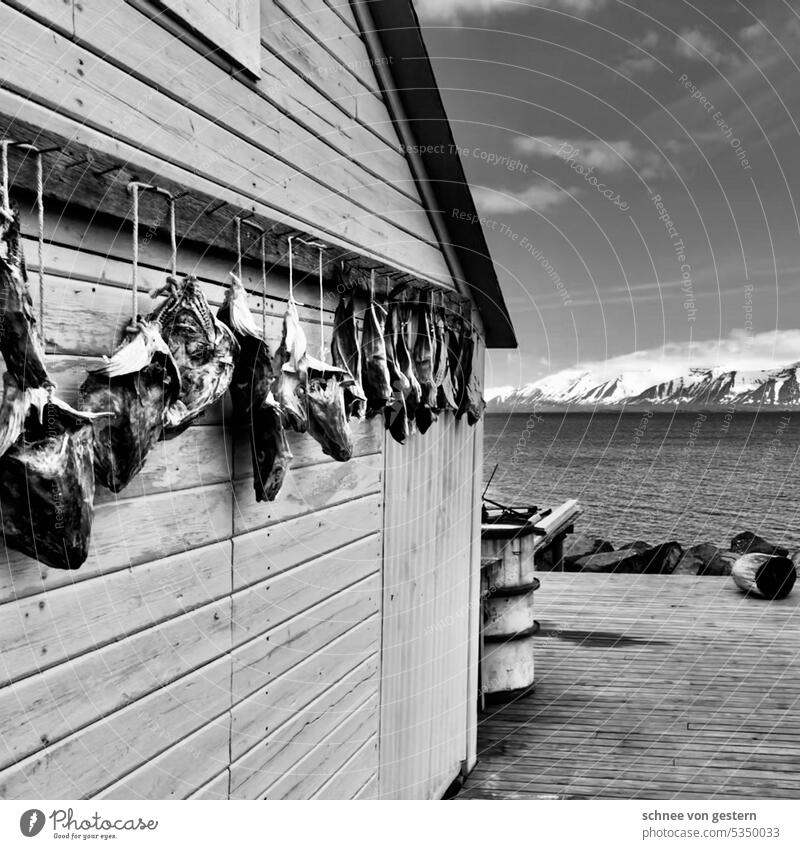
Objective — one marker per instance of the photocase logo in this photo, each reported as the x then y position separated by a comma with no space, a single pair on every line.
31,822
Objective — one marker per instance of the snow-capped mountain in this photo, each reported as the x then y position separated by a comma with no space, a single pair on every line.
698,388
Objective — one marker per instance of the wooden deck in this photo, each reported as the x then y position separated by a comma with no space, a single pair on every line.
650,687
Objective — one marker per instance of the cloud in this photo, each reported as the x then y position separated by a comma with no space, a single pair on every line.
693,44
609,157
541,197
739,351
453,11
639,60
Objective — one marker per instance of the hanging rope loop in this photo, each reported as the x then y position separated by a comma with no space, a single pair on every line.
238,224
40,234
291,269
173,238
134,190
264,283
4,156
135,187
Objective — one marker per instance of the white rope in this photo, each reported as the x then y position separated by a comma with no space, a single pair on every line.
238,222
291,271
40,245
263,284
135,270
173,238
321,310
6,202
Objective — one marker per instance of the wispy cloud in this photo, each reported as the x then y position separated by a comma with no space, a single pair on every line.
739,350
640,60
453,11
610,157
541,197
693,44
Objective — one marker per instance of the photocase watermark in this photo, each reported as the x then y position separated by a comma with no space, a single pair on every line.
530,426
687,287
571,154
495,226
65,824
726,130
327,71
748,312
497,160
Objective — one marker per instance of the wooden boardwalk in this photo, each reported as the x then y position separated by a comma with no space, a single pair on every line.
650,687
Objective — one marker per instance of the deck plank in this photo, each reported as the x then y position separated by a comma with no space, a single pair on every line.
650,687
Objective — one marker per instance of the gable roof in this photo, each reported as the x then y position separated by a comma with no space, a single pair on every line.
415,104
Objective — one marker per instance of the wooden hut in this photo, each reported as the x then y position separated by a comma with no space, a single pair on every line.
323,645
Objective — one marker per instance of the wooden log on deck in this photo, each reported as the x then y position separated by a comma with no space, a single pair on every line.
764,575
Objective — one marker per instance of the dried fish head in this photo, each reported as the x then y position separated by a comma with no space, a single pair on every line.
327,416
47,486
204,349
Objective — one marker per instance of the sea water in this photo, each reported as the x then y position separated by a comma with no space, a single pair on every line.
693,477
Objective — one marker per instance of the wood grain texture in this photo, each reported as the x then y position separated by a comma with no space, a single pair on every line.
85,763
328,768
289,694
272,652
275,755
182,770
652,687
43,630
269,551
45,708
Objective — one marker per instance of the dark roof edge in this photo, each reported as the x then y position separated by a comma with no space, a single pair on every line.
436,165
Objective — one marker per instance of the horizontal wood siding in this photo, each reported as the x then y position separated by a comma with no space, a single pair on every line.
212,647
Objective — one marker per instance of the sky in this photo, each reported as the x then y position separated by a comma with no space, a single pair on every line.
636,164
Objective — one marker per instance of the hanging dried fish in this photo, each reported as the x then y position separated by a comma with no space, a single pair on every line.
396,412
46,478
253,374
472,404
20,342
405,363
291,364
327,416
424,351
271,455
376,380
138,385
325,398
445,396
346,354
253,401
203,348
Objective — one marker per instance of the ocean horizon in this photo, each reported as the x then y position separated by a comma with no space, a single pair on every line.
654,475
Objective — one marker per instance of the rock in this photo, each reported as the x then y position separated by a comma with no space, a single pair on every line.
655,560
608,561
582,545
661,559
750,543
637,545
704,559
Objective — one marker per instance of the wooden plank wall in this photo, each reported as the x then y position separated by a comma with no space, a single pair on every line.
210,647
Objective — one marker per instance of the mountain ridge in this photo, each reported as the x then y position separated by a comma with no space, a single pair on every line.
696,388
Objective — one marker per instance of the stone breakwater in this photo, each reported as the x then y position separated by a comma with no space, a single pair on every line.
589,553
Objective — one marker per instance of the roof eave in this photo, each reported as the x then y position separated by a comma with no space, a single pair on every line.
397,30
